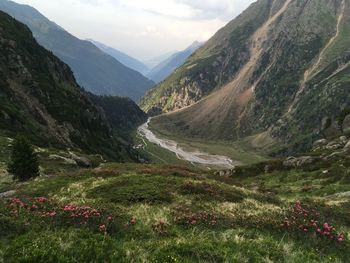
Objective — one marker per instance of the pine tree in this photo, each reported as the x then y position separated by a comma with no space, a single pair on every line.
24,163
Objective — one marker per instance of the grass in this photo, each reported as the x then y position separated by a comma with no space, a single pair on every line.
173,213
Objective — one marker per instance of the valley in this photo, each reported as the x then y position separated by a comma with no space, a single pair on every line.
247,151
240,153
194,157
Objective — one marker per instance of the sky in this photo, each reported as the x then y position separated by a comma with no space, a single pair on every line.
142,28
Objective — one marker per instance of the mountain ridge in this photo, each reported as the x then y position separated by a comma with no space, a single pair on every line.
40,98
168,66
122,57
94,70
243,81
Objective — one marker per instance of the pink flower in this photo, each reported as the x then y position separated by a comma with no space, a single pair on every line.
109,218
103,228
133,221
34,207
52,214
41,199
340,238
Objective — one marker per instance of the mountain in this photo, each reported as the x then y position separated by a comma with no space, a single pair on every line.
165,68
279,71
96,71
40,98
153,62
125,59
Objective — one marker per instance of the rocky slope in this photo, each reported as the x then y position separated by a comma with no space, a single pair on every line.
94,70
282,66
40,98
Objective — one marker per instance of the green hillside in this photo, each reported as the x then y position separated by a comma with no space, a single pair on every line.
94,70
40,99
278,211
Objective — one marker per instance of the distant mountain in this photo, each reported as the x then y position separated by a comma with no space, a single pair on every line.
40,98
96,71
165,68
153,62
125,59
278,73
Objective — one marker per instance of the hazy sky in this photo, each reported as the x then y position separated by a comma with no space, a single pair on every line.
142,28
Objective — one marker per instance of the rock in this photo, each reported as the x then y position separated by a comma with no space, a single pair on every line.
320,143
335,154
268,169
346,123
343,139
80,160
341,195
66,160
331,128
227,173
7,194
299,162
347,147
222,173
334,145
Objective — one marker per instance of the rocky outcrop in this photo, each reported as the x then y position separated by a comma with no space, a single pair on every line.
81,160
299,161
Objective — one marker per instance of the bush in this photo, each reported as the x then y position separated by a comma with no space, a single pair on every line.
24,163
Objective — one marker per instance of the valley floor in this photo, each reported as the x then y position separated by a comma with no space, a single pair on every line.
241,152
194,157
171,213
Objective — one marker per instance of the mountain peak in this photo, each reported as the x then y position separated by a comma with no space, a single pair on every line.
195,45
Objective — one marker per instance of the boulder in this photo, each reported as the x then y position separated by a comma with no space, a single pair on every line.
320,143
346,123
80,160
7,194
334,145
343,139
299,161
347,147
333,155
331,128
64,159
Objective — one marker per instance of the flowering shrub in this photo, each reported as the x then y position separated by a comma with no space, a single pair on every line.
72,215
160,227
307,220
191,218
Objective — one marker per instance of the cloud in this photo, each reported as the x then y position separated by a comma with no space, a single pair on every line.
219,9
142,28
184,9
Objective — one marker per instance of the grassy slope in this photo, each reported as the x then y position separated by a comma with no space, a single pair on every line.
176,214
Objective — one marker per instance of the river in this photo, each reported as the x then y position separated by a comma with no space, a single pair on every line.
195,157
